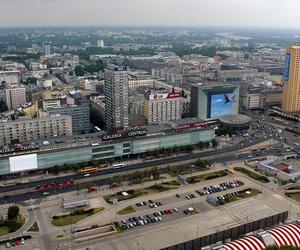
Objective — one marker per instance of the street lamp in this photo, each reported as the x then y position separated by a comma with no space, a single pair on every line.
198,232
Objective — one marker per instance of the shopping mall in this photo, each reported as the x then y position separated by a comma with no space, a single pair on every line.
50,153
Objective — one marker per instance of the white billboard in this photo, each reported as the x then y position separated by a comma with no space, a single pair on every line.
23,163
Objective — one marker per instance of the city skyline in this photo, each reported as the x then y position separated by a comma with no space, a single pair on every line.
266,13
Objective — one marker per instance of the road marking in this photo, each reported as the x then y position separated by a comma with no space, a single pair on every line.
278,196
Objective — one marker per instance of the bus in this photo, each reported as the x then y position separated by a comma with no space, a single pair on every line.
89,170
120,165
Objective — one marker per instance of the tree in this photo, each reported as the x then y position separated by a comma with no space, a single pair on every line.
13,212
3,106
79,70
118,179
214,143
155,173
201,164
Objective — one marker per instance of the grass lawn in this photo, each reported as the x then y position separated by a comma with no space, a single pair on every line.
252,174
132,193
243,195
208,176
294,196
297,187
34,228
68,219
172,183
4,230
126,210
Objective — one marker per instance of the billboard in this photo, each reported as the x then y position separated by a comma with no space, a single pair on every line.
287,66
124,134
221,104
23,163
164,96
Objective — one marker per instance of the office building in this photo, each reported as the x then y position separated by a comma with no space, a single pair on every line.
47,49
10,77
15,96
291,81
80,117
163,105
116,98
22,130
100,44
214,100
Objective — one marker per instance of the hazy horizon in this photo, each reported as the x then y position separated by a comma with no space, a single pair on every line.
157,13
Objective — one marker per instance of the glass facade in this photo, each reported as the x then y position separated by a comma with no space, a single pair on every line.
59,158
64,157
115,149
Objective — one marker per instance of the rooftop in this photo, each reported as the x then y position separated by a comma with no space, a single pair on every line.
235,119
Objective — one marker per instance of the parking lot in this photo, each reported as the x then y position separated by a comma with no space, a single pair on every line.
155,203
164,215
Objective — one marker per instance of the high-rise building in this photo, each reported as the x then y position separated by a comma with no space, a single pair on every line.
100,44
15,96
291,80
161,106
47,49
214,100
116,98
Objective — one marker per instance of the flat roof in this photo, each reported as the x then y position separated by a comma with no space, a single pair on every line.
235,119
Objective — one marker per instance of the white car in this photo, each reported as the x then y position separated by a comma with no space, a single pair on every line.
46,193
87,175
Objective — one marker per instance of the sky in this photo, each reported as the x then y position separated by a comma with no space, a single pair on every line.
244,13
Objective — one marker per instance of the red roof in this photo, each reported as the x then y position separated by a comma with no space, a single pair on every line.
287,235
247,243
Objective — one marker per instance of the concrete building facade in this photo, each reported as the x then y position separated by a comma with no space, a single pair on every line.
23,130
161,107
116,98
80,117
291,81
15,96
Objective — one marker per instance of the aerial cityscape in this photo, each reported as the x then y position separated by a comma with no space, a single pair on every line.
149,125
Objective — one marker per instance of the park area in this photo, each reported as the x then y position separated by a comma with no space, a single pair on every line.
15,220
133,193
252,174
74,216
294,195
208,176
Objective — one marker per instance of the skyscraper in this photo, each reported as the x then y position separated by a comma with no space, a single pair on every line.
100,44
47,49
291,80
116,98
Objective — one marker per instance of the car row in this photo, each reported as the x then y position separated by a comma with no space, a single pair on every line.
141,204
190,196
227,196
221,187
139,221
17,242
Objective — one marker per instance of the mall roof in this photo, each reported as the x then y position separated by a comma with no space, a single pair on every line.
247,243
286,235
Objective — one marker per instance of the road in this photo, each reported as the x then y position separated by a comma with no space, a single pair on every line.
215,156
135,166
